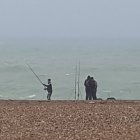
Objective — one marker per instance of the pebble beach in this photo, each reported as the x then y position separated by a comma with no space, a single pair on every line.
69,120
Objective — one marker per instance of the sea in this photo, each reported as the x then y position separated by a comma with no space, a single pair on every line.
114,64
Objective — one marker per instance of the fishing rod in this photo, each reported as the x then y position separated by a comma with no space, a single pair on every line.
78,81
75,82
35,74
79,92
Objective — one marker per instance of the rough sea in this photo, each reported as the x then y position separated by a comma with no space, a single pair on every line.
114,63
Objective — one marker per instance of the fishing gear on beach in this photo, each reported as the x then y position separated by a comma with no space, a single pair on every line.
77,92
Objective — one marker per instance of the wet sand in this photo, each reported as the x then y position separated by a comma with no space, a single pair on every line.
69,120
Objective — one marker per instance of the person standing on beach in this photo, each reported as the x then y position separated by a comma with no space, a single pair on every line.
93,88
87,88
48,87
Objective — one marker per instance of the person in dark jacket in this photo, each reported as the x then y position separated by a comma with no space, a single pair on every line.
48,87
93,88
87,88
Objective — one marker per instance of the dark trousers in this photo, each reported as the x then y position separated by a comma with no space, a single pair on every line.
88,94
49,95
94,93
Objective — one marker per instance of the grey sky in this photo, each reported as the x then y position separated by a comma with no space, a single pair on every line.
70,18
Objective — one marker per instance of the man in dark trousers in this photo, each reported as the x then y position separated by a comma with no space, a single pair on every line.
87,88
49,89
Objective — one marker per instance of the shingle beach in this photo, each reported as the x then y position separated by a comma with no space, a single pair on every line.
69,120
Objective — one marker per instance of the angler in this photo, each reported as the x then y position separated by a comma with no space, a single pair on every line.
46,87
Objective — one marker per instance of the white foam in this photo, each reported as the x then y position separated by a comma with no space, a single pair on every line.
31,96
107,91
67,74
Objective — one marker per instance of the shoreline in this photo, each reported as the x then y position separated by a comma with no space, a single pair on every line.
71,101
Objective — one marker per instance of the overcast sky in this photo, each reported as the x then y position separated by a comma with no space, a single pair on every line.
70,18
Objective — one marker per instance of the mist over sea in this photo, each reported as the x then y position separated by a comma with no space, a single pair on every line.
114,63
